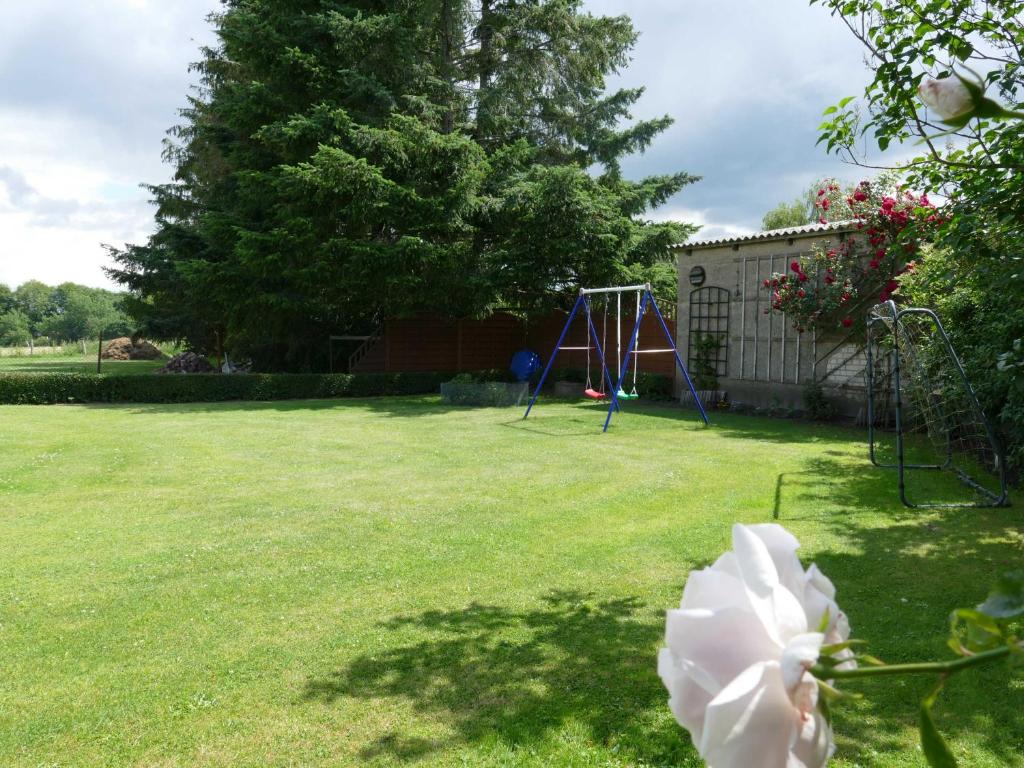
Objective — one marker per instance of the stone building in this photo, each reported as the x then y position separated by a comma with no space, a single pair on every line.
761,359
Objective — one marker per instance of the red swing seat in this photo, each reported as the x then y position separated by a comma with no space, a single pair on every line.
593,394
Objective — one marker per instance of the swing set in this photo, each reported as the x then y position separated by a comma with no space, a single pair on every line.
644,302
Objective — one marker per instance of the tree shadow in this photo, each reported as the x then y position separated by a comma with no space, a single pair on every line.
902,582
397,406
520,674
899,573
851,486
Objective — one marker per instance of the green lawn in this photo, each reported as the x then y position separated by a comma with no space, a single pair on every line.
74,364
393,582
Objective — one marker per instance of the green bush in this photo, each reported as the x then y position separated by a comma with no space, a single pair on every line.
48,388
816,405
496,394
983,314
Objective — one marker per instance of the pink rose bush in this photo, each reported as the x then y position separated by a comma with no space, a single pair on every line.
739,650
816,287
821,289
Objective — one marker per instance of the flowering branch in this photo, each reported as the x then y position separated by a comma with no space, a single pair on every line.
891,226
944,668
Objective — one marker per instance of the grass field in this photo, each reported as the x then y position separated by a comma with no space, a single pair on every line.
74,364
393,582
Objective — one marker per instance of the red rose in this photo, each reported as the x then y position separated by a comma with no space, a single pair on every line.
801,293
803,277
880,253
795,266
847,322
829,279
825,204
767,282
859,196
873,263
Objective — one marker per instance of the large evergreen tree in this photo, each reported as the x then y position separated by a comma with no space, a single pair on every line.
346,160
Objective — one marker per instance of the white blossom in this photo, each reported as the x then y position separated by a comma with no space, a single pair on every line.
949,97
739,650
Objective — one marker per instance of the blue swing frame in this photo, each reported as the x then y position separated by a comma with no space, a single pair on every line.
647,300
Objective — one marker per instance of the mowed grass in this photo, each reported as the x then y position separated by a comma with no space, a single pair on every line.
75,364
395,582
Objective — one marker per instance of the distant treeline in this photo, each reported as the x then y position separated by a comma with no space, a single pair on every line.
35,311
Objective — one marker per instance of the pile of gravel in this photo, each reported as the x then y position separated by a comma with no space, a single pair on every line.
187,362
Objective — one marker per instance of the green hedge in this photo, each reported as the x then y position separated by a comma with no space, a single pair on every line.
47,388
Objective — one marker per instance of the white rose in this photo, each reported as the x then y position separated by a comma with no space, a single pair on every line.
739,650
949,97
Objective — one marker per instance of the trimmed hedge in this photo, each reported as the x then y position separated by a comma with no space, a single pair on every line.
49,388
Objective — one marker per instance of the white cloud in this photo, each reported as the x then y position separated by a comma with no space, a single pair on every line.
746,82
87,91
710,228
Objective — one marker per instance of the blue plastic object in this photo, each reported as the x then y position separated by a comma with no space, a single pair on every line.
524,364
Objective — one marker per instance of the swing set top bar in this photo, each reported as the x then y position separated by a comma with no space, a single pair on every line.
616,289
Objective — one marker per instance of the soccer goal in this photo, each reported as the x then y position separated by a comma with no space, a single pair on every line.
916,379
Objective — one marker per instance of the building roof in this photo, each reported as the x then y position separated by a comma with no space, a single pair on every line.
768,235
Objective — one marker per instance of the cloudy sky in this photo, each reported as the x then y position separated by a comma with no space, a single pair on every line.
88,89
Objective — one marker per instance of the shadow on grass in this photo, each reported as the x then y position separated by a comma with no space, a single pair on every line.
584,417
404,406
522,674
899,573
849,486
899,583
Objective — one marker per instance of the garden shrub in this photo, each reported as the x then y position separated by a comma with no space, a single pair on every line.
495,394
816,405
983,318
48,388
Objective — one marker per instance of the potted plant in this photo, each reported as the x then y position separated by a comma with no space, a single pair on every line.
569,383
465,389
